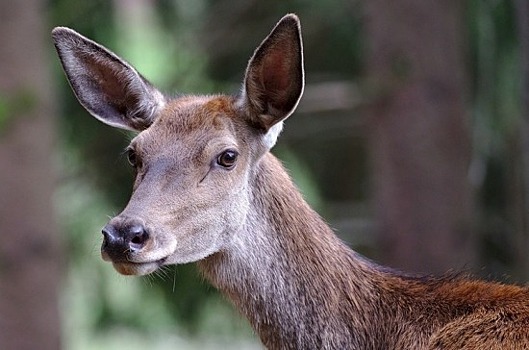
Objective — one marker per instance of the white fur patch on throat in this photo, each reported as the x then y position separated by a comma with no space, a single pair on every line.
271,136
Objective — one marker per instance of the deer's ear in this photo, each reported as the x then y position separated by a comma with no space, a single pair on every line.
274,79
107,86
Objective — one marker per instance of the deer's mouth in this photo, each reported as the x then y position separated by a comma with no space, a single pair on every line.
131,265
137,268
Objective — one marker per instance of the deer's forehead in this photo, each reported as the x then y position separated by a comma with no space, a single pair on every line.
197,113
193,121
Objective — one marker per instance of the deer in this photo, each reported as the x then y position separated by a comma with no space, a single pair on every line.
208,190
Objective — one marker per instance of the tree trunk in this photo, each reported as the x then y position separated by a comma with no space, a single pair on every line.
29,263
419,136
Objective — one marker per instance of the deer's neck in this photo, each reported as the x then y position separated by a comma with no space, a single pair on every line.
287,272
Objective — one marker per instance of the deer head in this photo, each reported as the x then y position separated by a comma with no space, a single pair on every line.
194,156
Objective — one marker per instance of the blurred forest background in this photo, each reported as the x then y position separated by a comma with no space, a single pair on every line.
411,140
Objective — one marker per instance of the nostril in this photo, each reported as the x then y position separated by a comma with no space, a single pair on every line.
138,236
137,240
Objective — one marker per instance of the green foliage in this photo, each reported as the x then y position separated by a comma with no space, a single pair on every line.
16,105
4,112
496,74
497,123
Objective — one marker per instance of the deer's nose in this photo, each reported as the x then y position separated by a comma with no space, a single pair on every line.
119,240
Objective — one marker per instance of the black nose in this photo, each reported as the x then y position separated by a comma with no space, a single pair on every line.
121,239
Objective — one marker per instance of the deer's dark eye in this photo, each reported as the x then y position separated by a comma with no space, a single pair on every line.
227,159
132,157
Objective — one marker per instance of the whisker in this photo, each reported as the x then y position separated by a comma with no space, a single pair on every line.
148,280
174,279
163,273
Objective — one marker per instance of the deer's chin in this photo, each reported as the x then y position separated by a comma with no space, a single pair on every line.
136,269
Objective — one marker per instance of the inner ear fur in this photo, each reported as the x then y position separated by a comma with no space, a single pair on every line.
274,78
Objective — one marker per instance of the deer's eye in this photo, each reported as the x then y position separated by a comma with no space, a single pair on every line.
227,159
132,157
